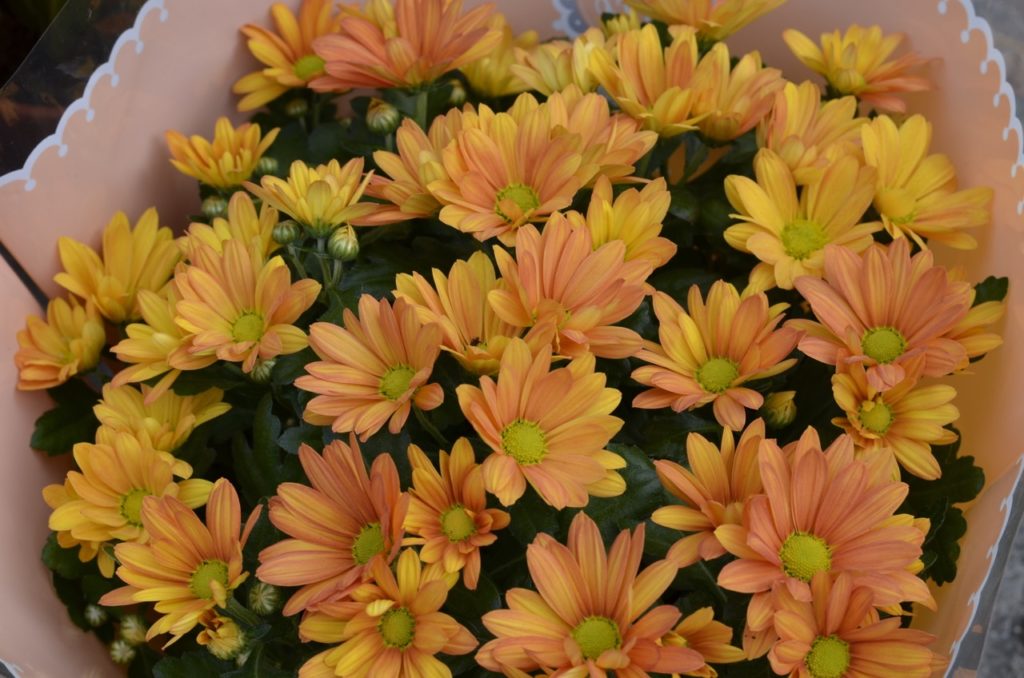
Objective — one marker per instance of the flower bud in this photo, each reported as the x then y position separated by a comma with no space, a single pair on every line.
95,615
458,95
262,370
296,108
222,637
264,598
779,409
343,244
286,232
214,206
266,165
133,629
381,117
122,652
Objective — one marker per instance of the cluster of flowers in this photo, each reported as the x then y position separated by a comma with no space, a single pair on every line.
839,209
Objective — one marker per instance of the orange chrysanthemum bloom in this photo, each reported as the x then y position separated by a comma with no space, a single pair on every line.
553,66
559,277
492,75
857,62
591,612
731,100
67,343
393,626
372,371
133,260
916,194
838,633
972,332
787,227
555,438
240,306
287,55
337,528
708,351
714,19
186,568
448,511
711,639
906,419
881,309
714,490
242,224
226,162
403,43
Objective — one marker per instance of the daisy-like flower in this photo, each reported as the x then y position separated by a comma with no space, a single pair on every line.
221,636
67,343
448,511
788,229
102,502
731,100
916,193
714,490
392,626
881,308
403,43
972,332
837,633
287,54
711,639
136,259
240,306
649,83
709,350
555,438
805,132
373,370
491,75
186,568
226,162
558,277
242,224
592,611
906,419
857,62
555,65
713,19
320,198
337,527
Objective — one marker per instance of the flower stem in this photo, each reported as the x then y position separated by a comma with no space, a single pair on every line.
422,99
242,614
299,268
714,583
429,427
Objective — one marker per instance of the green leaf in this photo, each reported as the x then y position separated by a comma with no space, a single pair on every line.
326,142
991,289
62,561
71,421
258,665
144,664
288,368
260,467
225,376
294,437
961,479
191,665
470,606
942,549
644,493
530,516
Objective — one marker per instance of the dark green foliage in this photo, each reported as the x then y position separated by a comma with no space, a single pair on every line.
70,421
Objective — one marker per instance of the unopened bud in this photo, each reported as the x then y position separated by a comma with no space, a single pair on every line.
267,165
222,637
343,244
264,598
262,370
458,95
95,615
286,232
214,206
133,629
296,108
779,409
381,117
122,652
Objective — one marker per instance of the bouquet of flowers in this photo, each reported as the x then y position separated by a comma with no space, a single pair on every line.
616,355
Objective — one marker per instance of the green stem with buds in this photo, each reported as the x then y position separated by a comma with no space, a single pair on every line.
241,614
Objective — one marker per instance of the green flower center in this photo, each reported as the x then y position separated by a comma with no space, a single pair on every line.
717,374
875,416
457,524
524,441
829,657
308,66
804,555
516,202
803,238
883,344
397,628
595,635
368,543
131,506
395,382
248,327
207,572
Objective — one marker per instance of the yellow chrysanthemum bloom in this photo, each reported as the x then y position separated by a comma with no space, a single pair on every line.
287,55
972,331
491,75
242,224
226,162
731,100
709,638
320,198
916,193
713,19
620,23
221,636
805,132
788,231
102,502
133,260
68,342
555,65
857,62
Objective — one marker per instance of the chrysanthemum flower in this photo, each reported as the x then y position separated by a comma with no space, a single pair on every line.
787,230
972,332
68,342
102,502
708,351
555,65
226,162
916,194
374,370
393,626
221,636
591,613
731,100
906,419
491,75
133,260
713,19
546,427
714,490
287,55
804,132
337,527
448,511
403,43
242,224
857,62
651,84
838,633
558,277
881,309
320,198
186,567
711,639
